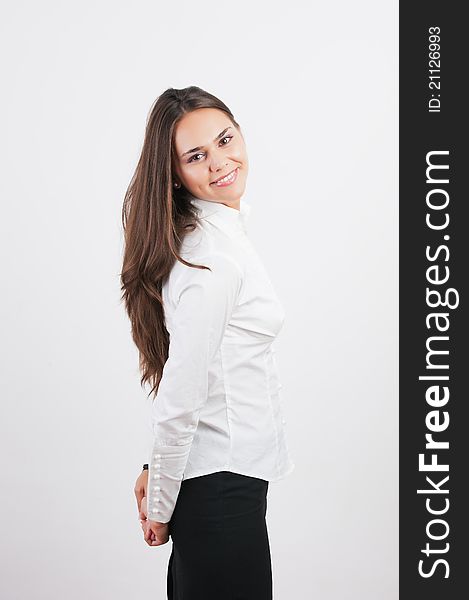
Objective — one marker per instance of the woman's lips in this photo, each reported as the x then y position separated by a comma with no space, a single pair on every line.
228,179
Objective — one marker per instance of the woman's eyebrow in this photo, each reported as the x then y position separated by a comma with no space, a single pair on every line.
220,135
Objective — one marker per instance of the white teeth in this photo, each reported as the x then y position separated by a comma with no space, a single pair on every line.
227,178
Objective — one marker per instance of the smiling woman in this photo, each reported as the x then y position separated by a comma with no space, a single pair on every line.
219,162
204,315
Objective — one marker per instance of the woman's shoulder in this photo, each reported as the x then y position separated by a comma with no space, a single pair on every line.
202,249
207,241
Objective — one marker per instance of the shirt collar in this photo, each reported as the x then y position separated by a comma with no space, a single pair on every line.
222,213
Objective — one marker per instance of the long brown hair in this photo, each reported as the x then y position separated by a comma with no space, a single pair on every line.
155,217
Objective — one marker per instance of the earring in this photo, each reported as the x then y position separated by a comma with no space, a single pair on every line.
176,184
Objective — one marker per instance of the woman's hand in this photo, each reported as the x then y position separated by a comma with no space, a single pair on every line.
140,492
155,533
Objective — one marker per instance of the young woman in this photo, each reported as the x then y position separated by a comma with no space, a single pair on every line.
203,315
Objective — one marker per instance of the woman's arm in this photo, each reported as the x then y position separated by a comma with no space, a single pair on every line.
204,303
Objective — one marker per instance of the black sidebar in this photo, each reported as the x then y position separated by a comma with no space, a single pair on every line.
433,302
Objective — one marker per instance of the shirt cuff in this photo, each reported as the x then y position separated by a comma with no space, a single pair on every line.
165,472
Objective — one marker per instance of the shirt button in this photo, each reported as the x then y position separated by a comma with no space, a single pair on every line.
157,488
155,510
157,456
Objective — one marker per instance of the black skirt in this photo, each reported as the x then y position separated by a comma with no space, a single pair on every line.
220,543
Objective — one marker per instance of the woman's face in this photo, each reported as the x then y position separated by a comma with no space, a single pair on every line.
208,148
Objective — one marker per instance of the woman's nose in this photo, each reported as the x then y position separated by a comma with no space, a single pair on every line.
217,162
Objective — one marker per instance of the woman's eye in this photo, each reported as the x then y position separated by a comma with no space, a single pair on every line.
192,157
227,137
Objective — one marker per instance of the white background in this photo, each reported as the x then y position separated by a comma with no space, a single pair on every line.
314,88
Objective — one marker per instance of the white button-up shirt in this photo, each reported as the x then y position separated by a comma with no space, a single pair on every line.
218,406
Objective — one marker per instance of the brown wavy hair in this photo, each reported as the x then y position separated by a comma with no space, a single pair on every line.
155,217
